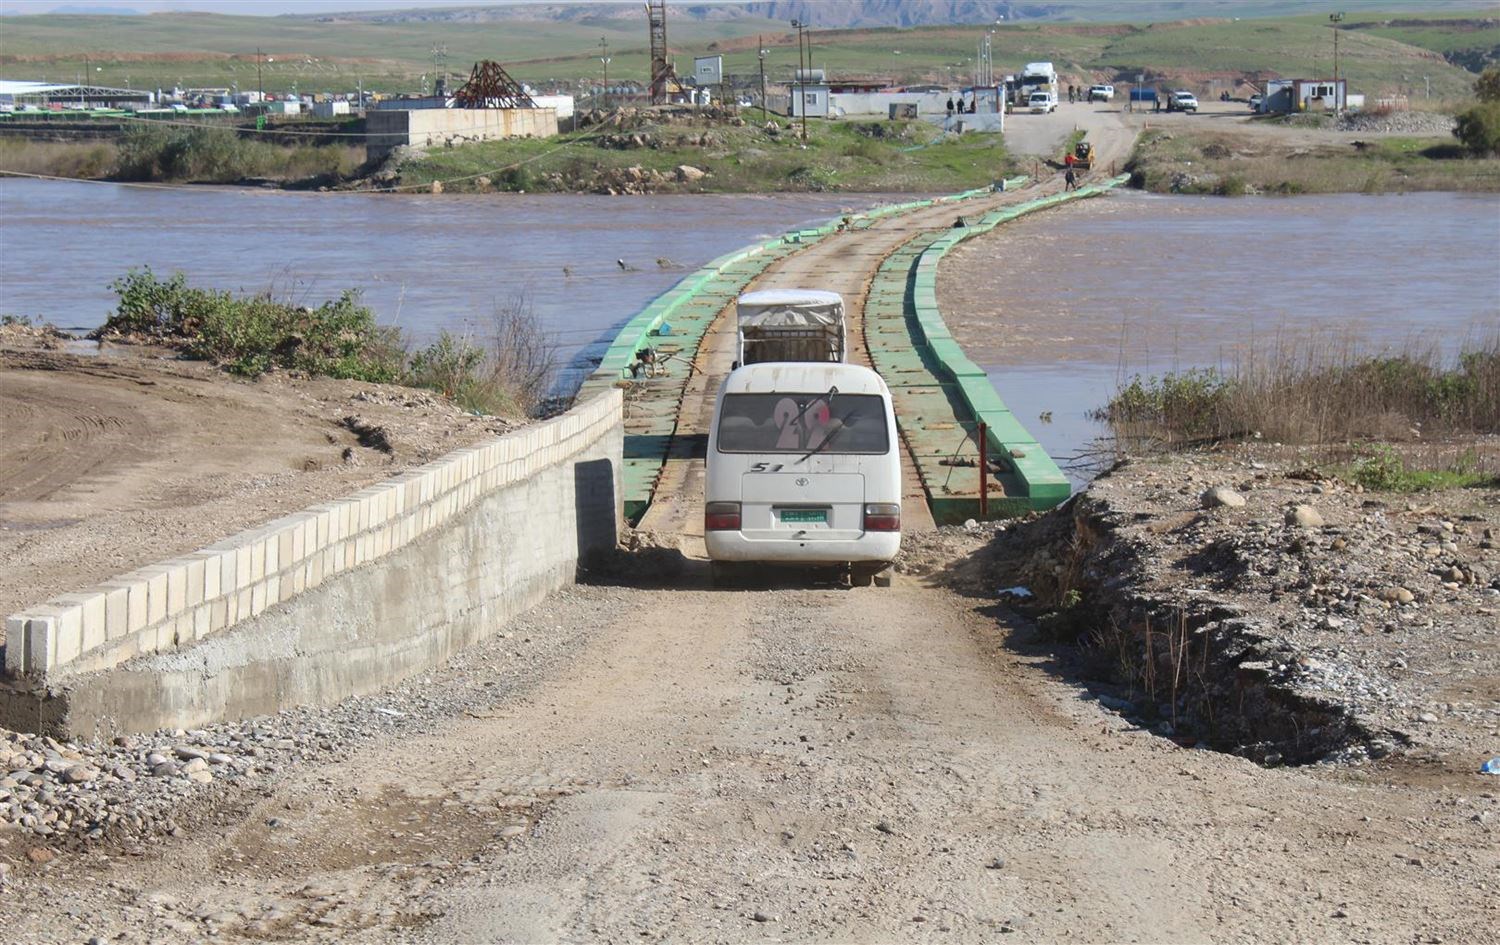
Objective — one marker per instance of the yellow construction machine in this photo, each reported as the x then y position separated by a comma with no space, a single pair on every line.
1083,155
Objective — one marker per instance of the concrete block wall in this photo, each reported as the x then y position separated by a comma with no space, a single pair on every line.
429,127
171,605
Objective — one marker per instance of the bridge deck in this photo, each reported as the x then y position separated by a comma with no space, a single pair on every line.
885,267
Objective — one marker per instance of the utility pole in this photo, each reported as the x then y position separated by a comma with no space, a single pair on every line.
1335,18
604,58
760,51
801,28
260,85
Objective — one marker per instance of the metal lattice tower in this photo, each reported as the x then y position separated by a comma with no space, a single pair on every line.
490,86
661,65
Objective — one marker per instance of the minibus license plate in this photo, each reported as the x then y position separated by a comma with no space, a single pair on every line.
805,516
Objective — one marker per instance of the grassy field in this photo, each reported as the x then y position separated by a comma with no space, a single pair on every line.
900,157
201,50
1232,164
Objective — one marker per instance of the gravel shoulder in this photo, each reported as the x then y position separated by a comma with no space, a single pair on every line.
119,456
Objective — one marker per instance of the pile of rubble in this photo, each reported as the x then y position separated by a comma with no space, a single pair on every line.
1397,122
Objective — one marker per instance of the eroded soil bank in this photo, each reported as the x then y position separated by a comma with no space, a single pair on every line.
1289,618
118,456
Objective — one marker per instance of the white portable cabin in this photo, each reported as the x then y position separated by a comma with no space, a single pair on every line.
790,325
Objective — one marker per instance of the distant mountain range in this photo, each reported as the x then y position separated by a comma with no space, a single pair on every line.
96,11
825,14
867,14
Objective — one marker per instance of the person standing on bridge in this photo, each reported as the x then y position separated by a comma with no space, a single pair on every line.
1070,180
950,106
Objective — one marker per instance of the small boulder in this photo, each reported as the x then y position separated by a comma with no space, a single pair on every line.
1223,496
1304,516
687,173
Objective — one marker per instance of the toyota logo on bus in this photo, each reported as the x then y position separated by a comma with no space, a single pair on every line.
802,480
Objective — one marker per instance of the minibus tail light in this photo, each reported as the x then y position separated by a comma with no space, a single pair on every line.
721,517
882,517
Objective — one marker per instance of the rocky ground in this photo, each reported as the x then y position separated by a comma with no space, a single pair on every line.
69,808
1373,615
1397,122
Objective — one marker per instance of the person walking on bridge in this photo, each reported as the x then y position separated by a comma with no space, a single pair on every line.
1070,180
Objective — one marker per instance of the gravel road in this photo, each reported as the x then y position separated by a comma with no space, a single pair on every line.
681,763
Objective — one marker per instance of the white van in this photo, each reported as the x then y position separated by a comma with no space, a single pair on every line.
804,468
1042,102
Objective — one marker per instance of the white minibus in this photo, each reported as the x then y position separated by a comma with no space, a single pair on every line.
804,468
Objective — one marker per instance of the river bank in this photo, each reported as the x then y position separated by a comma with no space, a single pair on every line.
622,151
1289,159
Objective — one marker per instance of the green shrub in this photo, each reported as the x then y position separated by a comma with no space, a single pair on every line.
250,335
151,307
1383,469
1487,86
219,155
1231,186
1479,128
448,366
1187,402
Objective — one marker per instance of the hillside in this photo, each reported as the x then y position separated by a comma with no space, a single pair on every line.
874,14
385,51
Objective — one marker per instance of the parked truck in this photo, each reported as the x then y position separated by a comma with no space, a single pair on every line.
1034,77
790,325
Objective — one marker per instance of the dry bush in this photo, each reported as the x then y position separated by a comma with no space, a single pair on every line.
1311,392
508,375
87,159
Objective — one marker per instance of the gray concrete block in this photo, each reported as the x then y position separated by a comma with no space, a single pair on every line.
156,593
15,646
195,580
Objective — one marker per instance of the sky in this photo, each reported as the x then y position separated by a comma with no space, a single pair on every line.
241,7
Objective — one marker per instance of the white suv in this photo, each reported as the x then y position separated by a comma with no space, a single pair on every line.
1101,93
1182,101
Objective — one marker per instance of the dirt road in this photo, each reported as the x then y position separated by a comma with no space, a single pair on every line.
685,764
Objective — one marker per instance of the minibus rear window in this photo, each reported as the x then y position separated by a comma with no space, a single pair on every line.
803,423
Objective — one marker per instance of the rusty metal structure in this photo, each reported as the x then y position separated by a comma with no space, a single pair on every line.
490,86
662,70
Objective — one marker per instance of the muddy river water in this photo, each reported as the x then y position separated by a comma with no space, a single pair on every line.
425,263
1060,306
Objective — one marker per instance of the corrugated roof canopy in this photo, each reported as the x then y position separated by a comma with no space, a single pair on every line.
22,87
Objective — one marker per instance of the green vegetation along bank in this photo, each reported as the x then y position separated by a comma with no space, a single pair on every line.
631,151
250,335
1233,164
1397,420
